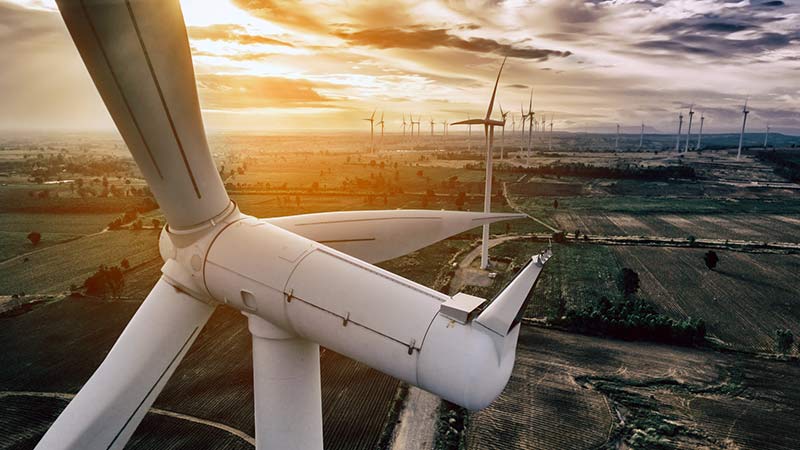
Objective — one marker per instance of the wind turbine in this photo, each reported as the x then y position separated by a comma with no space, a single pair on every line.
680,126
404,125
488,129
552,118
766,136
296,292
700,134
641,137
524,118
503,132
419,125
745,112
432,124
381,124
689,128
469,134
371,121
616,142
444,130
531,115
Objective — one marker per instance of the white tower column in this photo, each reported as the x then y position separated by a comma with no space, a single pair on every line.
286,384
487,197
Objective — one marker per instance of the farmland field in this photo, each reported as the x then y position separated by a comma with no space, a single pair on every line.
570,391
214,381
743,301
57,267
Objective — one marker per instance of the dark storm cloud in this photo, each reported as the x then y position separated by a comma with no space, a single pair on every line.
423,38
715,35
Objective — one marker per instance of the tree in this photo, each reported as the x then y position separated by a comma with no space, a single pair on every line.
711,259
783,340
577,234
107,280
34,237
555,204
628,281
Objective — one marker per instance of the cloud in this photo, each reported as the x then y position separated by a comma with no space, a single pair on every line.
218,91
233,33
289,13
422,38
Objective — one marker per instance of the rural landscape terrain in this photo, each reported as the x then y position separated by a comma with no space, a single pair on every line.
668,316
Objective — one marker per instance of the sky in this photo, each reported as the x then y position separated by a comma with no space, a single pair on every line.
277,65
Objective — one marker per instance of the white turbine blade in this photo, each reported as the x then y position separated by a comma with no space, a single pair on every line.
509,306
494,91
111,404
470,122
376,236
138,56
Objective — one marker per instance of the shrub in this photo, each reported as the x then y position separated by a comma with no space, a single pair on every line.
783,340
711,259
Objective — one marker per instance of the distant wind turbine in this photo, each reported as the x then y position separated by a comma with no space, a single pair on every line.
552,118
371,121
417,123
689,129
381,123
616,142
523,117
488,128
641,137
700,135
745,112
531,115
680,126
503,132
766,136
432,124
404,125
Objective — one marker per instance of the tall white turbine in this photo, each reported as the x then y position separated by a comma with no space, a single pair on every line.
641,137
296,292
680,126
524,117
404,125
417,123
488,128
552,118
745,112
700,134
689,128
432,125
766,136
371,121
616,142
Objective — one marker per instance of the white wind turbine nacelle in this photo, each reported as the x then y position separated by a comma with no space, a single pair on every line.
302,281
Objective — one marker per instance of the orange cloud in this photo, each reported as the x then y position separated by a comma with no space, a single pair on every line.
426,38
233,33
289,13
248,91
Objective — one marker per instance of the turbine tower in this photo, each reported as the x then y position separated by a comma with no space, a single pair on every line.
680,126
552,118
296,292
689,128
616,142
700,134
641,137
371,121
404,125
432,124
745,112
488,128
524,117
766,136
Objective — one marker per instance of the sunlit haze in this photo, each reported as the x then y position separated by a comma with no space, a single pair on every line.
273,65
